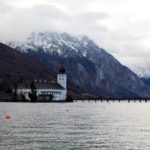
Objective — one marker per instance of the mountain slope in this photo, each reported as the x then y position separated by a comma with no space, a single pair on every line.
13,62
88,65
146,81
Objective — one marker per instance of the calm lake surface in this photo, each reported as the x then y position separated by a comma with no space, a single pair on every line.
75,126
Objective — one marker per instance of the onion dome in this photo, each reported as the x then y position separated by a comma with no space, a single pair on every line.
62,69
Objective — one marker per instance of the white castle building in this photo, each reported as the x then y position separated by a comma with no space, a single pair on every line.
44,90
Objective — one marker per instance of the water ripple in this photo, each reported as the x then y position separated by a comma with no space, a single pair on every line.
85,126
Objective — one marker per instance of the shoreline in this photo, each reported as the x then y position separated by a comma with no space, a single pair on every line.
81,100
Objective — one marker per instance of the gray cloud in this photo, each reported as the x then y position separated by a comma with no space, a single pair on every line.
48,11
20,22
115,25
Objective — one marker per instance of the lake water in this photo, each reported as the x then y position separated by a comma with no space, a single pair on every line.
75,126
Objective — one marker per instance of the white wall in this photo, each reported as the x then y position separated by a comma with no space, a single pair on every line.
57,94
62,80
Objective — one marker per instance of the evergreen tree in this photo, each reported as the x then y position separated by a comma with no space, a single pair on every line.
33,95
15,86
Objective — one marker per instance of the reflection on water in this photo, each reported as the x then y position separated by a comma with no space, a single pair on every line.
88,125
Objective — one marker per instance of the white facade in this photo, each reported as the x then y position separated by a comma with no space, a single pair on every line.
59,94
62,80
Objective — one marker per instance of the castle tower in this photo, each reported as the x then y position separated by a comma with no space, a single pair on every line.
62,77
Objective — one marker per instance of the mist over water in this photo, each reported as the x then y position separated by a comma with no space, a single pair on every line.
75,126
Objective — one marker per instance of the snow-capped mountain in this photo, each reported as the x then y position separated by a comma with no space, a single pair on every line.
53,42
87,65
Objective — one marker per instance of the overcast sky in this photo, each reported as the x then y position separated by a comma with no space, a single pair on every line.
120,26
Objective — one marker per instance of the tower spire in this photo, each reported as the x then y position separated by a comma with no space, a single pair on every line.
62,69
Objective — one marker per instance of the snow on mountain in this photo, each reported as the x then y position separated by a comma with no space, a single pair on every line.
88,65
54,42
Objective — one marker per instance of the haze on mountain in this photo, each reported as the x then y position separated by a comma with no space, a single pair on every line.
120,26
